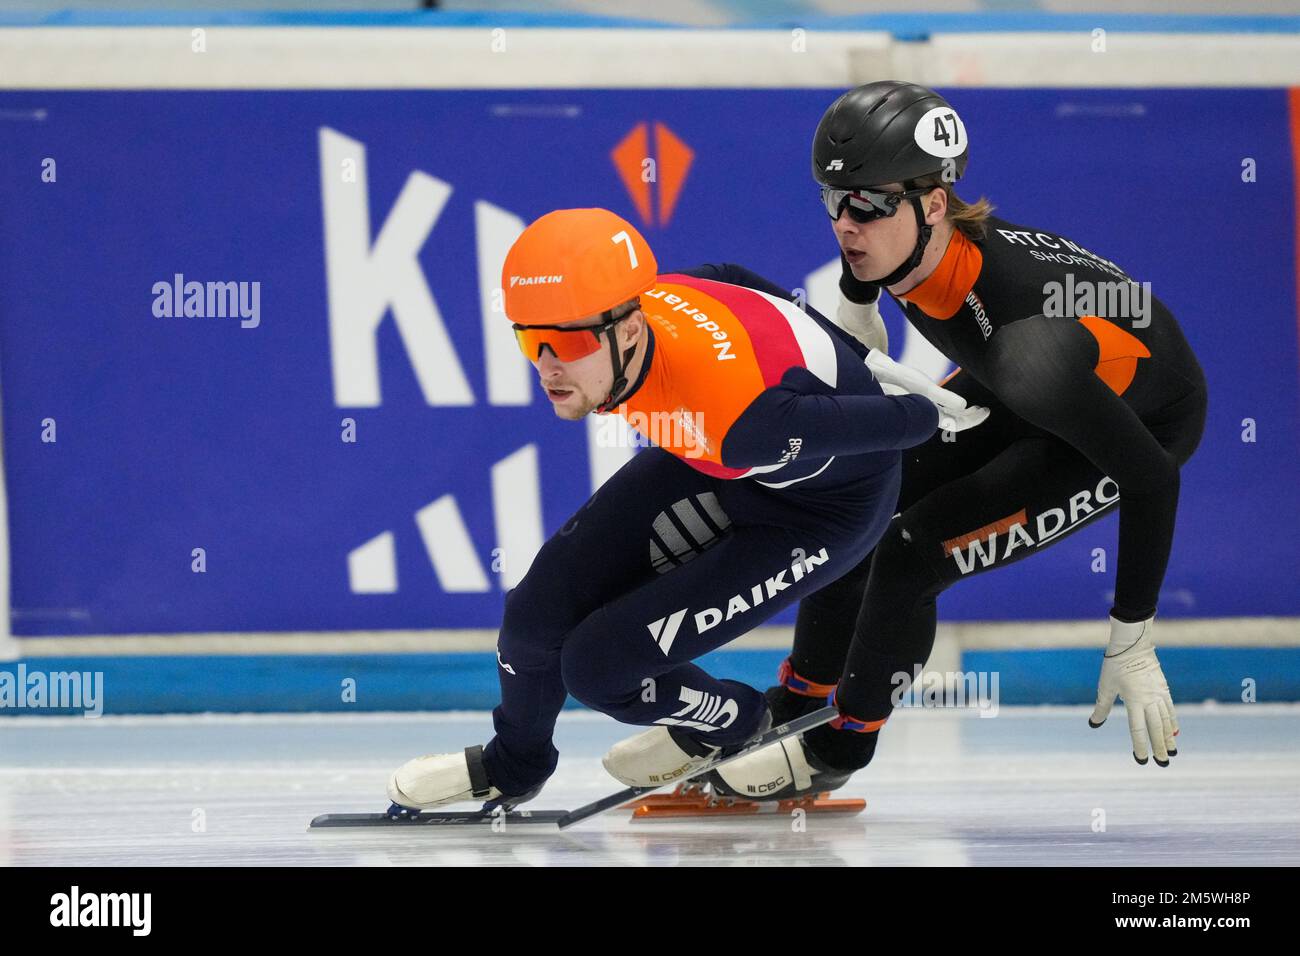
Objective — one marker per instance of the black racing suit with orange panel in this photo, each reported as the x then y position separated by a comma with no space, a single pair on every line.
1096,399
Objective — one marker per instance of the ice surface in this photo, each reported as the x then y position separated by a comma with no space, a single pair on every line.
1029,786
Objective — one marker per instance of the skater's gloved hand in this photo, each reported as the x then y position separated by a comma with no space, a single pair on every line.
1130,670
954,414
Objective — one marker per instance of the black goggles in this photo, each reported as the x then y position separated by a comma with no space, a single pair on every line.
865,205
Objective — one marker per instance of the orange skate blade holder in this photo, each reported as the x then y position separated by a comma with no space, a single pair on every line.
695,800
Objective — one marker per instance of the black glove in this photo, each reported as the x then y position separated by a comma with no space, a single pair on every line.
855,290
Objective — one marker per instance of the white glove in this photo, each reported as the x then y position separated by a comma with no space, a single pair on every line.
863,322
954,414
1131,671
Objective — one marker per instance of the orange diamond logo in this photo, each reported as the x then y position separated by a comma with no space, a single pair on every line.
641,171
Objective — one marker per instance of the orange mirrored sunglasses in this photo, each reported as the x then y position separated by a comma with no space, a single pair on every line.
567,344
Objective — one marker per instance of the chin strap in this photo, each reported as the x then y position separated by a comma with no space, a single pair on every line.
620,371
922,240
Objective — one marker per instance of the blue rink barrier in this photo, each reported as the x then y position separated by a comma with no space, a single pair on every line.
203,436
468,681
909,26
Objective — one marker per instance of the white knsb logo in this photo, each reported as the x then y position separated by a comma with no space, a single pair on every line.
702,710
836,164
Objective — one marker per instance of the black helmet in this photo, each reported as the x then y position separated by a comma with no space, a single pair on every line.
887,132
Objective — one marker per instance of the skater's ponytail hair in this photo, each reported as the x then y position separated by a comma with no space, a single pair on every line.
969,218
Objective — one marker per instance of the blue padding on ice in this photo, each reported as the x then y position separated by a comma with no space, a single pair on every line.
468,681
1194,673
906,26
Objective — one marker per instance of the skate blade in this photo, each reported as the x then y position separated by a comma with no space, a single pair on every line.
437,818
691,800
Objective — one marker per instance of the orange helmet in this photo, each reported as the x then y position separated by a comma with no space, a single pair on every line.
574,263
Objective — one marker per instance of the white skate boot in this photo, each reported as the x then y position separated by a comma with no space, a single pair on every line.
781,771
664,755
436,780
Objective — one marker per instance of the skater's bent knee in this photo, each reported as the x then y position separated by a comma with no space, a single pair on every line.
900,557
531,625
